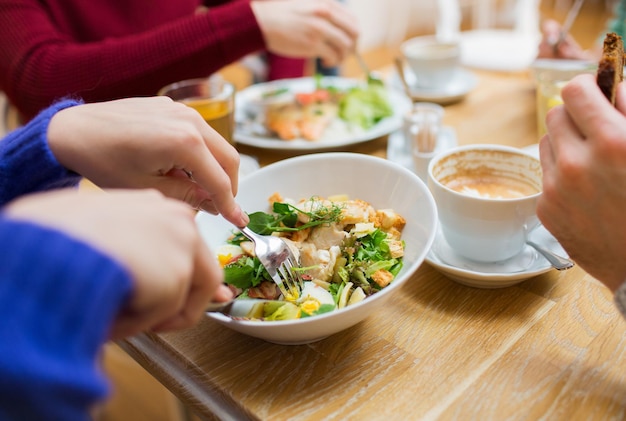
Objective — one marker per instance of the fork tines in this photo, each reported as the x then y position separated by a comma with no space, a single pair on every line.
293,283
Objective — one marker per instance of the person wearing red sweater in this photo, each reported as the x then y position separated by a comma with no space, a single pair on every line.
108,49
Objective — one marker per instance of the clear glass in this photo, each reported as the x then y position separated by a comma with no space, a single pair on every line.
550,77
422,127
212,97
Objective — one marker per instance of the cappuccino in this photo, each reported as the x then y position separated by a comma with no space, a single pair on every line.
490,186
486,199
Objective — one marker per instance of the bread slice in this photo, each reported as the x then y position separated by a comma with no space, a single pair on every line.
611,66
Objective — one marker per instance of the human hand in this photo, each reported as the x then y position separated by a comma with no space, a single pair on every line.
307,28
155,238
150,143
568,48
583,157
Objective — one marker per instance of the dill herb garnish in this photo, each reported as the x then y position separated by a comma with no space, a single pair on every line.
285,217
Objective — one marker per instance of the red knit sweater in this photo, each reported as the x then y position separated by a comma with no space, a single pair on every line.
108,49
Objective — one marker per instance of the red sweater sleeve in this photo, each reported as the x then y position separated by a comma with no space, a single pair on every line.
40,61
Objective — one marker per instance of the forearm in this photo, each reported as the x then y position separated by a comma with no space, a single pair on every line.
26,163
43,64
58,298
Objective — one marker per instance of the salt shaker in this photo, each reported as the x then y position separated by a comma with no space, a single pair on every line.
422,126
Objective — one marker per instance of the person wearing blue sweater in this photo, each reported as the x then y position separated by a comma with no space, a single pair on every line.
80,267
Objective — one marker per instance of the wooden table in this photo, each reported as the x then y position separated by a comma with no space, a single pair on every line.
552,347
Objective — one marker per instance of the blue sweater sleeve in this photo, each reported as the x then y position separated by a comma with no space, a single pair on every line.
26,163
58,298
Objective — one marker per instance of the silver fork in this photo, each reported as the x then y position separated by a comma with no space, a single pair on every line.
567,24
279,261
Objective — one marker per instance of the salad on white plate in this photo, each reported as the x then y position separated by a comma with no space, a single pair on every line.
316,113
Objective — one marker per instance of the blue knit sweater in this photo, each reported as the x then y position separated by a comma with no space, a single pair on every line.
58,296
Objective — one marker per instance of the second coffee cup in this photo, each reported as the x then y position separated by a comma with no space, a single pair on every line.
434,63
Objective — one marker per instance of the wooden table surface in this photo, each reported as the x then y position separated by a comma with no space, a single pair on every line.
552,347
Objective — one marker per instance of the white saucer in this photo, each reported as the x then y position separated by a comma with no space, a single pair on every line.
456,90
527,264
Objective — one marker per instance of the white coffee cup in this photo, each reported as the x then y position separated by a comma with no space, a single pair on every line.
486,199
434,63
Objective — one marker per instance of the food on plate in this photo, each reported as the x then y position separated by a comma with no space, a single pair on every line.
296,120
309,115
365,106
347,251
611,65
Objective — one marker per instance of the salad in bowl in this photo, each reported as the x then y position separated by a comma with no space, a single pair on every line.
305,182
347,251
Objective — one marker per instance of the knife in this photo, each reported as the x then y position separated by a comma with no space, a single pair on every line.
247,308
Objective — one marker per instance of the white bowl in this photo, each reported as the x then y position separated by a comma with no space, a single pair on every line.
382,183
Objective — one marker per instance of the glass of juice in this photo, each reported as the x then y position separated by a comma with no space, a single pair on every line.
550,77
212,97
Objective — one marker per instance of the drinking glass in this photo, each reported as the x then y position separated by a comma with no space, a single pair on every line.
550,76
212,97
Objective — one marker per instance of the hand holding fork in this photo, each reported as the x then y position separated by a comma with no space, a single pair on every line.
567,24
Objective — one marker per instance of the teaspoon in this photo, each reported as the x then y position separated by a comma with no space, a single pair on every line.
557,262
400,70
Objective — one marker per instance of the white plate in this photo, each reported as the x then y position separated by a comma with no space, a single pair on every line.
499,49
458,88
525,265
400,103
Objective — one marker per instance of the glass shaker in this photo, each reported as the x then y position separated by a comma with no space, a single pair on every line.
422,127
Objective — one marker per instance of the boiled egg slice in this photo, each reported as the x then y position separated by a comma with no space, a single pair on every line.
313,297
226,253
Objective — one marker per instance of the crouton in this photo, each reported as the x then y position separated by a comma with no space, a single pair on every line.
395,248
276,197
382,277
387,219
